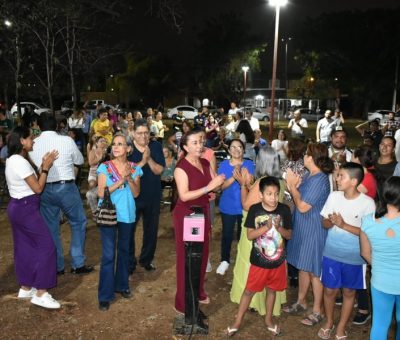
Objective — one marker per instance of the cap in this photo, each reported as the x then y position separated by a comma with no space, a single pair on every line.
338,128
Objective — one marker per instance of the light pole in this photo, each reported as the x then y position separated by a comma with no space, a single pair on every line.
245,69
286,41
277,4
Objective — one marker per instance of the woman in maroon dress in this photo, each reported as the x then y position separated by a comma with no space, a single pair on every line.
193,192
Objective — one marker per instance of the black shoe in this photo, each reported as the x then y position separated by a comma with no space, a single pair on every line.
82,270
126,294
104,306
149,267
339,301
61,272
361,319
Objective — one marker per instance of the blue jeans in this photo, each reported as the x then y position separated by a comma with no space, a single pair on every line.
115,243
66,198
228,227
382,306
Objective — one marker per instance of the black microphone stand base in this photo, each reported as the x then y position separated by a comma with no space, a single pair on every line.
181,328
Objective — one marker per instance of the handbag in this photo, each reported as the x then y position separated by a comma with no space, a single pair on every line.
106,214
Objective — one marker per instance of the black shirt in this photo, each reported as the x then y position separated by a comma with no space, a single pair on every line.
150,184
268,250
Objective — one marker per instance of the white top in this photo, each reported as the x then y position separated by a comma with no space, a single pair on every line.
230,129
68,155
325,126
279,146
297,128
17,169
160,127
74,123
254,123
233,111
397,149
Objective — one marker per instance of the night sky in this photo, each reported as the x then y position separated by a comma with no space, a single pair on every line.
150,34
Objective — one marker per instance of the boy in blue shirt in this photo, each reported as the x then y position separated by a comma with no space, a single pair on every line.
342,265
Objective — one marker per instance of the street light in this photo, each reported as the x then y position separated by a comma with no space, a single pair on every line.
286,41
277,4
245,69
8,23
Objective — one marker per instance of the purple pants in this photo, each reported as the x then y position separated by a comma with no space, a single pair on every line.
34,250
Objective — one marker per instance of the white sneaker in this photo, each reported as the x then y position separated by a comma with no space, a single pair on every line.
222,268
209,267
45,301
26,294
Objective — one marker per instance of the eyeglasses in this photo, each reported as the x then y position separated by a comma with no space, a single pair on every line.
118,144
236,147
144,133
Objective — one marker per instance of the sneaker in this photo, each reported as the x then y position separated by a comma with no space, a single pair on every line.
45,301
26,294
222,268
82,270
361,319
209,267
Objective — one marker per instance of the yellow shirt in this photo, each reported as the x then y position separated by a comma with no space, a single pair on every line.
102,128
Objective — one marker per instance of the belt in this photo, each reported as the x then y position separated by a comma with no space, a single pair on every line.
62,182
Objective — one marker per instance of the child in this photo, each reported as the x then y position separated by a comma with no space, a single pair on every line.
342,265
268,223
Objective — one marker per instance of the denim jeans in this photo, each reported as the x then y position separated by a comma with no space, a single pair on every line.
114,277
66,198
228,227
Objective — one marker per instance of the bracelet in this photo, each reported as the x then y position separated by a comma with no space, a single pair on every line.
205,189
244,186
45,171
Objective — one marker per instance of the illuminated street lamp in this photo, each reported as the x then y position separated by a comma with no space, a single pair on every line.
277,4
245,69
8,23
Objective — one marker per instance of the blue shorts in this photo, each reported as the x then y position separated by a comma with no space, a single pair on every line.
337,274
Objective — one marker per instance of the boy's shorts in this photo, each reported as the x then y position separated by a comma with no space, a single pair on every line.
261,278
337,274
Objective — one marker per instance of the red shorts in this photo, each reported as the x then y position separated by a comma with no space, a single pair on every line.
261,278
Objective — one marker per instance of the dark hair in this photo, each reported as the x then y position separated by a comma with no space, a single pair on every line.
101,111
34,118
2,111
245,128
240,114
319,154
354,170
391,138
14,140
390,195
283,131
47,122
140,122
185,138
236,140
367,155
268,182
296,149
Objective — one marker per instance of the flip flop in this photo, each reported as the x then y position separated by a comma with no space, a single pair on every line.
326,333
337,337
312,319
276,331
231,331
294,309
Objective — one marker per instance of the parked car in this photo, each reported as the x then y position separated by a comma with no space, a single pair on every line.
307,114
37,108
258,112
189,112
91,104
381,115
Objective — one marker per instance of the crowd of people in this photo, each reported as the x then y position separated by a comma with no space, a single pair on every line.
299,208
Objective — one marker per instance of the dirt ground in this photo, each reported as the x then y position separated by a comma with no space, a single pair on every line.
147,315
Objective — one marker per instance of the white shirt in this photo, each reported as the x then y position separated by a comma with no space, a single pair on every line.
397,149
324,126
233,111
68,155
279,146
74,123
297,127
230,129
254,123
17,169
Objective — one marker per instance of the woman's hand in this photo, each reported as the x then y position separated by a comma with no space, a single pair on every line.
292,180
48,159
216,182
238,176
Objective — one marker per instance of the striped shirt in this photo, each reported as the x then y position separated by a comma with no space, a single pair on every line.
69,155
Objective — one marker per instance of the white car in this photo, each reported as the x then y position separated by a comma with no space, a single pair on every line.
258,113
379,114
37,108
189,112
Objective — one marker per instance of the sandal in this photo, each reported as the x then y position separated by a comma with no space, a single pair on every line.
276,331
294,309
337,337
205,301
231,331
312,319
326,333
